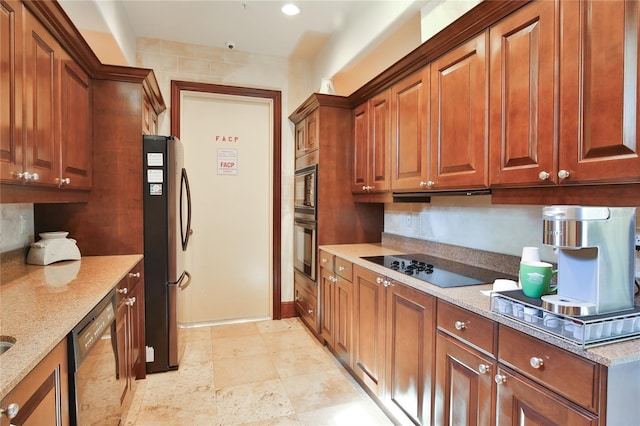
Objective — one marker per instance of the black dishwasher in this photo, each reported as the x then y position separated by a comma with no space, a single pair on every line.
93,367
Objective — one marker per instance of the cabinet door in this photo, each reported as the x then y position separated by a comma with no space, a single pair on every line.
76,141
369,304
522,99
326,302
342,312
42,396
521,402
124,352
300,138
464,387
42,69
409,358
312,124
459,105
599,116
138,356
379,142
11,137
360,178
409,128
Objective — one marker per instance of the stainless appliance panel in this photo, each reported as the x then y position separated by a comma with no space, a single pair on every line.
176,343
94,381
305,192
305,248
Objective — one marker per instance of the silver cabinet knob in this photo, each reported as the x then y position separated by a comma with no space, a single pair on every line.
325,260
310,311
26,176
64,181
379,280
431,183
459,325
364,187
423,184
123,290
544,175
341,268
388,283
563,174
536,362
500,378
11,411
132,275
484,368
130,301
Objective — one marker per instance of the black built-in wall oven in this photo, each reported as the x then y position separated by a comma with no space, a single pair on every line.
305,243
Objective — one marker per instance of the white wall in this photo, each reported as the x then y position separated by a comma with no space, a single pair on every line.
188,62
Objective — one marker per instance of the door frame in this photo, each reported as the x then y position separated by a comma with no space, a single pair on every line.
276,96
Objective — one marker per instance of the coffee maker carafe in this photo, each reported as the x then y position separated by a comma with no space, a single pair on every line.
595,247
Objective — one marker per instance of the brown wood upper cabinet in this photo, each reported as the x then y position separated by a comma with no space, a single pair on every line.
459,106
599,61
307,134
46,135
596,91
372,135
439,122
409,126
522,119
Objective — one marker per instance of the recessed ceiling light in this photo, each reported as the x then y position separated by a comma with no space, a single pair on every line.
290,9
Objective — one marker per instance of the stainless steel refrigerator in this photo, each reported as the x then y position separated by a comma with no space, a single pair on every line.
167,227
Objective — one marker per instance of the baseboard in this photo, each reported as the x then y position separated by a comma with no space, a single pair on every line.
288,310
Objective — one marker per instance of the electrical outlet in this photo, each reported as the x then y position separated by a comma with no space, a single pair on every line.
637,240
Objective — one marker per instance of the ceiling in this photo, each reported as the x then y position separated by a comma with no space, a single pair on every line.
256,26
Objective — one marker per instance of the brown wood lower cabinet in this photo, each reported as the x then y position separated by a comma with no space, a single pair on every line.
523,402
410,346
428,361
42,397
336,295
393,344
464,387
369,304
130,333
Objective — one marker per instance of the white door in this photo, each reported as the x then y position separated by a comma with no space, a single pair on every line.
228,155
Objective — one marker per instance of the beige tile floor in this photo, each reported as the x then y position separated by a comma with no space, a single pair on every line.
257,373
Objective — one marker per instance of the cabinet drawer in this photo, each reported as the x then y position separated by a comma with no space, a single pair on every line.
306,306
574,378
344,269
327,260
467,326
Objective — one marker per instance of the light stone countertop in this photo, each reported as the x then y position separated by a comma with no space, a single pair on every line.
43,305
472,299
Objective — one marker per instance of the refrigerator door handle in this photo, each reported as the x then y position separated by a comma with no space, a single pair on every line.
185,231
184,284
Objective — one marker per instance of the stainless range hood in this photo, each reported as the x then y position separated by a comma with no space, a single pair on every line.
425,197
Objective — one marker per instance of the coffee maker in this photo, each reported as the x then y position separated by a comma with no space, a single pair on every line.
595,247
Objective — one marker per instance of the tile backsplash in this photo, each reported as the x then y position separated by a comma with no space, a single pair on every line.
16,226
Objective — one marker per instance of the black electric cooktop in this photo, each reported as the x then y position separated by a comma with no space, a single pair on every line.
440,272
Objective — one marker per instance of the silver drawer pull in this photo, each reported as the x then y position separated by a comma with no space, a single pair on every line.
123,290
459,325
132,275
536,362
